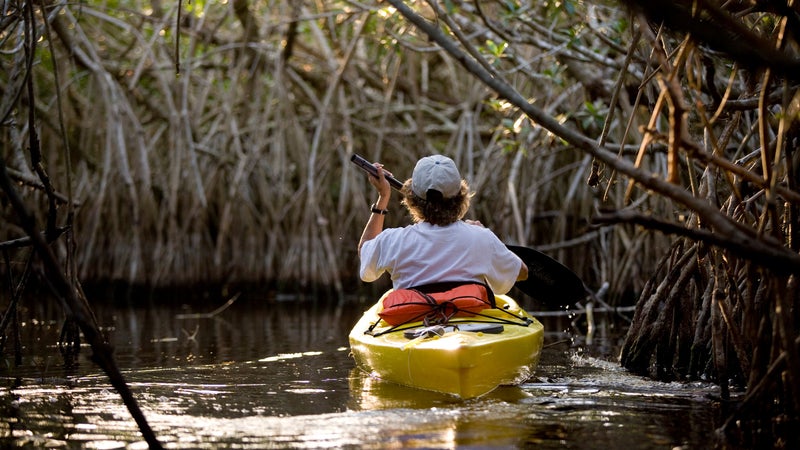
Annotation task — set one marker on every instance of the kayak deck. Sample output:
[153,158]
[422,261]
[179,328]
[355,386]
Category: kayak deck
[467,357]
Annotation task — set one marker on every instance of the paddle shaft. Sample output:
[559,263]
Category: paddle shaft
[372,170]
[548,280]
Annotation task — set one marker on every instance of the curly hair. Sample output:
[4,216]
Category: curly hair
[441,211]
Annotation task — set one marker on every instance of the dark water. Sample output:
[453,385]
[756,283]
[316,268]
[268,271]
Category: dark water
[277,374]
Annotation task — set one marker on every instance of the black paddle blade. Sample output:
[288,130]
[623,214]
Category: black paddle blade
[549,281]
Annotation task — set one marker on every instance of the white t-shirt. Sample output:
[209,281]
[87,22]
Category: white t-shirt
[422,253]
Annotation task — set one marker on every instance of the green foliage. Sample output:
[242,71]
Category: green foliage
[494,50]
[592,116]
[195,7]
[511,5]
[555,73]
[555,7]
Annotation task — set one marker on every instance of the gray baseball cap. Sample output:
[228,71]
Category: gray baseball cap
[436,172]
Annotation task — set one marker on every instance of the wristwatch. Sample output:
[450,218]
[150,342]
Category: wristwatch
[376,210]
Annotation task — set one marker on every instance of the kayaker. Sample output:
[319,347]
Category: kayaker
[439,246]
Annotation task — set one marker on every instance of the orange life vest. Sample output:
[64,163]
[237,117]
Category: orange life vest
[409,305]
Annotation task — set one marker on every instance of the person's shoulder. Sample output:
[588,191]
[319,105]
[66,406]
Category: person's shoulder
[472,228]
[477,232]
[395,232]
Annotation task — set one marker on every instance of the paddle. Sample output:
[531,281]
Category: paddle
[548,281]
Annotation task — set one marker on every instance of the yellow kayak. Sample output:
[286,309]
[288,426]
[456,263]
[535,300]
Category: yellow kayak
[466,357]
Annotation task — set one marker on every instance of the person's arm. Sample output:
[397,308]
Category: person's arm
[375,223]
[523,272]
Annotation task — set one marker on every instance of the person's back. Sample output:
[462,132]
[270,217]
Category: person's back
[439,246]
[423,254]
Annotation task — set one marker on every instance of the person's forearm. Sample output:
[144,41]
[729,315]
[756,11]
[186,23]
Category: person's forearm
[374,224]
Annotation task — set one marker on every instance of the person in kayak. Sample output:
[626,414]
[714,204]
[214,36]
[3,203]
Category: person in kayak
[439,246]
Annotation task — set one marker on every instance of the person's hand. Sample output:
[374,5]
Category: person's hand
[474,222]
[380,182]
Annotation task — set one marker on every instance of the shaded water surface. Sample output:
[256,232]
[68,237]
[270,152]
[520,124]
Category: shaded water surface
[278,375]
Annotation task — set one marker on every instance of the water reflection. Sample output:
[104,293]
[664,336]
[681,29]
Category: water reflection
[279,375]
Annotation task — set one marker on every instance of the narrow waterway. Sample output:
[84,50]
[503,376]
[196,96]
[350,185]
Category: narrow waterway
[277,374]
